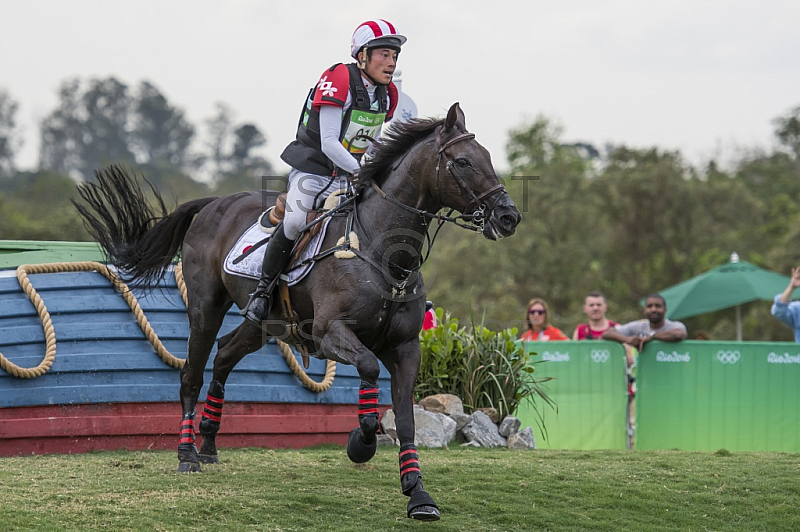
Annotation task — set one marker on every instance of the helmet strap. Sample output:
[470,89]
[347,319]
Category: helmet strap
[362,63]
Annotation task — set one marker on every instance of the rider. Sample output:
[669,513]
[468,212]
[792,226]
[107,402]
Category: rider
[342,115]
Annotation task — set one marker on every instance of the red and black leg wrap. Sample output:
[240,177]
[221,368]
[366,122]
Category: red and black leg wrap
[368,408]
[410,472]
[212,410]
[187,430]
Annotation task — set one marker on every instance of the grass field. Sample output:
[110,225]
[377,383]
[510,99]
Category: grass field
[476,489]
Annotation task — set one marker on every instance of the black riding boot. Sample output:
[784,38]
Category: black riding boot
[279,249]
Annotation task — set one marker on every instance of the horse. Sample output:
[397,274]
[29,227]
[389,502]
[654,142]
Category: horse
[359,311]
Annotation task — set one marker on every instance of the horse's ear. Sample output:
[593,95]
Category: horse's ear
[454,116]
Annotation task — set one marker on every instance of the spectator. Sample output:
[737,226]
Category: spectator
[430,321]
[654,327]
[785,309]
[538,320]
[595,307]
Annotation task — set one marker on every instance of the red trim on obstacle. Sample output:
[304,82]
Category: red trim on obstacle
[70,429]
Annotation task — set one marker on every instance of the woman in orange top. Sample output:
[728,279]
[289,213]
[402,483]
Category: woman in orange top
[538,320]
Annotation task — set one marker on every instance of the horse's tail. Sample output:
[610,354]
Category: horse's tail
[140,242]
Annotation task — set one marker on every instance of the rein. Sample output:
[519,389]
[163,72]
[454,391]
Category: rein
[473,222]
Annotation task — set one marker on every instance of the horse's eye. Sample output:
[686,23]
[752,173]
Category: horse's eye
[462,163]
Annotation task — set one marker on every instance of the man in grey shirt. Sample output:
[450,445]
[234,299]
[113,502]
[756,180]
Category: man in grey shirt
[654,327]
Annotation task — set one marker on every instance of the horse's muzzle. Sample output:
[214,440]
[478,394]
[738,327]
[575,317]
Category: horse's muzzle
[503,220]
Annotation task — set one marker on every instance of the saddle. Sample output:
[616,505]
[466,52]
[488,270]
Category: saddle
[273,216]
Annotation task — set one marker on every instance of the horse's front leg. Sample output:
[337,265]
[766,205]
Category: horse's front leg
[403,365]
[340,343]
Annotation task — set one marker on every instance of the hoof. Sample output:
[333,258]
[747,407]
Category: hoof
[422,507]
[209,458]
[425,513]
[358,451]
[189,467]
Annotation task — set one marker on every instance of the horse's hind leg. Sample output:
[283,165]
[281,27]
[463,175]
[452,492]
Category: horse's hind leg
[205,319]
[232,347]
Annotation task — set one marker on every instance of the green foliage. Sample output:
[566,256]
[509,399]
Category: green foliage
[482,367]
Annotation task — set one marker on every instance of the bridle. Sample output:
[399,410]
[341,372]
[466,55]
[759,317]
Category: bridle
[478,216]
[476,220]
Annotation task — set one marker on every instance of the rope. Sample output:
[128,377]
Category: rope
[141,319]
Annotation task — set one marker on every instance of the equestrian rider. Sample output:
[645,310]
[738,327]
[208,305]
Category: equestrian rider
[341,117]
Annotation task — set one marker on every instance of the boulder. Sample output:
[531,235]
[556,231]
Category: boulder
[388,424]
[481,429]
[384,440]
[443,403]
[493,414]
[433,429]
[509,426]
[522,440]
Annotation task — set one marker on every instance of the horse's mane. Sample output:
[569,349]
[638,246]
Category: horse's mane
[395,143]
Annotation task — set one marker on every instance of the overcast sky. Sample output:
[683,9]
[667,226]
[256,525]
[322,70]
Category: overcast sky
[704,77]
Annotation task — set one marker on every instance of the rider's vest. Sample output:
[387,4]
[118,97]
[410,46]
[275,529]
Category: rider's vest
[360,124]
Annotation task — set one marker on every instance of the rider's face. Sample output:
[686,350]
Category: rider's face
[381,65]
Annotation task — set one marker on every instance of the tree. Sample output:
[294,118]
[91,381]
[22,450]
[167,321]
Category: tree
[9,141]
[788,131]
[160,130]
[89,129]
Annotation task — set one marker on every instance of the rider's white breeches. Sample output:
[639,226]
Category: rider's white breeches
[304,190]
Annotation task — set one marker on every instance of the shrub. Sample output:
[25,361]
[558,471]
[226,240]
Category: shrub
[482,367]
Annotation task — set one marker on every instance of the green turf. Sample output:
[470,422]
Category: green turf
[476,489]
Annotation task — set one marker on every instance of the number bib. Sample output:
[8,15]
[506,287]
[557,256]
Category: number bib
[361,129]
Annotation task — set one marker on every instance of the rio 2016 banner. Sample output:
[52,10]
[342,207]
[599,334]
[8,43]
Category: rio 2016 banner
[589,387]
[706,396]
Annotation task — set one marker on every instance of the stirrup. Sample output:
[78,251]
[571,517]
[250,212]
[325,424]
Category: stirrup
[257,315]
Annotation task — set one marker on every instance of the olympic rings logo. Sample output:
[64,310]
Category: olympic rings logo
[600,355]
[728,357]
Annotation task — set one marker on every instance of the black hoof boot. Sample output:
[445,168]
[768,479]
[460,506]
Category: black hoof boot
[357,450]
[422,507]
[209,458]
[188,459]
[189,467]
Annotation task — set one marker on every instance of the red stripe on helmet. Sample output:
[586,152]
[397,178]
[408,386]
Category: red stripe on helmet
[391,28]
[376,29]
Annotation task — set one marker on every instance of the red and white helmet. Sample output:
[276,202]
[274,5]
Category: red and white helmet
[376,33]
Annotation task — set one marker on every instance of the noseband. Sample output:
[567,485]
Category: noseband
[478,216]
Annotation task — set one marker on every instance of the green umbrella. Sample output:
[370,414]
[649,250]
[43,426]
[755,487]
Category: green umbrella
[729,285]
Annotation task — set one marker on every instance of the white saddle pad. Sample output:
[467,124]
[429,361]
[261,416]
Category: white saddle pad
[250,266]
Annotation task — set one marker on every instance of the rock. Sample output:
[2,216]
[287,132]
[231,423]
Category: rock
[388,424]
[460,419]
[471,444]
[384,440]
[522,440]
[431,431]
[432,404]
[450,427]
[509,426]
[493,414]
[481,429]
[443,403]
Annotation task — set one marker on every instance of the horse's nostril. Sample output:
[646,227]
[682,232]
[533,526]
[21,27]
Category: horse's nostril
[508,221]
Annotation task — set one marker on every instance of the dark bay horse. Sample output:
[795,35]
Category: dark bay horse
[356,311]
